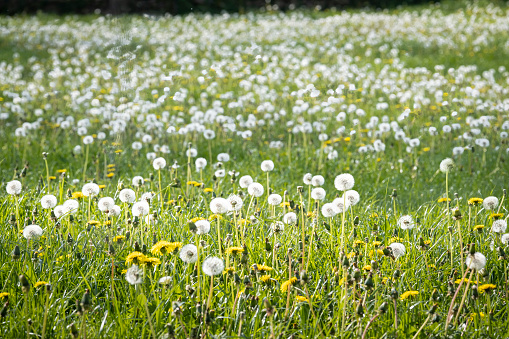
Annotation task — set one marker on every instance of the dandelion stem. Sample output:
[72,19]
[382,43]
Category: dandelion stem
[210,293]
[449,313]
[422,326]
[85,164]
[463,298]
[395,319]
[369,324]
[45,316]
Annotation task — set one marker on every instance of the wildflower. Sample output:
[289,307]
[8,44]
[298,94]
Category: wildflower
[478,228]
[127,195]
[444,200]
[200,163]
[318,193]
[473,315]
[140,209]
[40,283]
[220,206]
[195,219]
[223,157]
[215,216]
[267,165]
[77,195]
[138,181]
[255,189]
[398,249]
[490,203]
[13,187]
[302,299]
[476,261]
[274,199]
[245,181]
[499,226]
[4,295]
[486,288]
[358,243]
[340,204]
[263,268]
[265,279]
[329,210]
[189,254]
[134,275]
[407,294]
[352,197]
[475,201]
[505,239]
[165,247]
[136,258]
[165,280]
[496,216]
[105,204]
[208,190]
[202,226]
[277,227]
[71,206]
[307,179]
[32,232]
[235,202]
[288,283]
[119,238]
[90,189]
[213,266]
[367,268]
[48,201]
[406,222]
[93,222]
[234,250]
[446,165]
[344,182]
[151,262]
[376,243]
[317,180]
[290,218]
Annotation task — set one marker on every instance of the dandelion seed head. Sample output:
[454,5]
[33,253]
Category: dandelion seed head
[90,189]
[235,202]
[398,249]
[138,181]
[476,261]
[114,211]
[189,254]
[223,157]
[406,222]
[446,165]
[318,193]
[13,187]
[200,163]
[245,181]
[202,226]
[344,182]
[499,226]
[134,275]
[307,179]
[48,201]
[277,227]
[140,208]
[127,195]
[213,266]
[159,163]
[329,210]
[290,218]
[32,232]
[341,204]
[490,203]
[267,165]
[220,206]
[71,206]
[352,197]
[255,189]
[105,204]
[317,180]
[274,199]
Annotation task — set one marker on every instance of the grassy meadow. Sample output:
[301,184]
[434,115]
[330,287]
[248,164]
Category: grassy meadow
[335,174]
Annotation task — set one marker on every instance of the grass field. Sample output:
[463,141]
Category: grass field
[300,174]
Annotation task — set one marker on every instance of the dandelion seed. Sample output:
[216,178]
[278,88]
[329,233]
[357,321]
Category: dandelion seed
[134,275]
[344,182]
[189,254]
[213,266]
[48,201]
[32,232]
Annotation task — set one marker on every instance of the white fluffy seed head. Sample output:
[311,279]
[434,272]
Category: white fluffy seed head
[245,181]
[307,179]
[446,165]
[105,204]
[13,187]
[189,254]
[290,218]
[499,226]
[318,193]
[406,222]
[90,189]
[220,206]
[71,206]
[344,182]
[127,195]
[134,275]
[202,226]
[476,261]
[340,204]
[274,199]
[267,165]
[352,197]
[255,189]
[213,266]
[277,227]
[48,201]
[398,249]
[235,202]
[317,180]
[114,211]
[223,157]
[138,181]
[200,163]
[159,163]
[59,211]
[141,208]
[88,140]
[505,239]
[490,203]
[329,210]
[32,232]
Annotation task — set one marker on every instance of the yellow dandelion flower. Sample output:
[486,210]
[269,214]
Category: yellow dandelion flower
[288,283]
[486,288]
[165,247]
[151,262]
[310,214]
[196,219]
[119,238]
[473,315]
[475,201]
[77,195]
[228,270]
[443,200]
[110,166]
[93,222]
[350,255]
[478,227]
[52,177]
[234,250]
[110,175]
[367,268]
[408,294]
[373,215]
[118,151]
[4,295]
[244,221]
[215,216]
[208,190]
[302,299]
[60,171]
[102,186]
[284,204]
[496,216]
[265,279]
[358,243]
[377,243]
[263,268]
[135,258]
[124,271]
[240,293]
[384,280]
[395,239]
[40,283]
[192,183]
